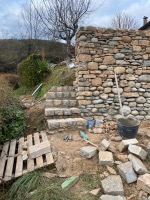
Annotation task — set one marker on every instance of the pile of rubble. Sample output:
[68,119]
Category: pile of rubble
[128,157]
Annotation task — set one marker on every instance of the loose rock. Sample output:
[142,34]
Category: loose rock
[110,197]
[112,185]
[143,182]
[88,151]
[138,166]
[127,172]
[123,145]
[138,151]
[106,158]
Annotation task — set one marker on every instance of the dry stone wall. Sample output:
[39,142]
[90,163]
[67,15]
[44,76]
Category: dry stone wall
[99,54]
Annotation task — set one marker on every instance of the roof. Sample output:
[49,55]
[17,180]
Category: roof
[145,26]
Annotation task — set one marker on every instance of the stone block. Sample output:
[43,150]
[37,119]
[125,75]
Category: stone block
[106,158]
[105,144]
[123,145]
[127,172]
[112,185]
[88,151]
[109,60]
[97,82]
[138,151]
[39,149]
[110,197]
[148,150]
[84,58]
[119,70]
[130,95]
[143,182]
[93,65]
[137,164]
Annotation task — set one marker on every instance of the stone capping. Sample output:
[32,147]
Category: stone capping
[101,52]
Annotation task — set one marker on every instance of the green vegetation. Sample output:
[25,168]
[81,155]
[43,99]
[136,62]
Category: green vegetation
[33,70]
[13,123]
[33,186]
[13,51]
[91,181]
[59,76]
[12,118]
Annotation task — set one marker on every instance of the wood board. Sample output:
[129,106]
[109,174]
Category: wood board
[14,160]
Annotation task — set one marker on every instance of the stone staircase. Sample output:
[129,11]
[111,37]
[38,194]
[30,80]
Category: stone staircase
[61,109]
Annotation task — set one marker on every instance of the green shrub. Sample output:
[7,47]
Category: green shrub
[33,70]
[12,124]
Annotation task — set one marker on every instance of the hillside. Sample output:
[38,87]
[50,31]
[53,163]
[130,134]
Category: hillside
[13,51]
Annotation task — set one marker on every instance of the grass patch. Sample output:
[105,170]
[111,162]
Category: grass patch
[91,181]
[33,186]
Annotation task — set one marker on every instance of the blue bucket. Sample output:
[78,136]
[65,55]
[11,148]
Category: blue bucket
[90,124]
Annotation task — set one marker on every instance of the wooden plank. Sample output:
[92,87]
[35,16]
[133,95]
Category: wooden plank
[19,163]
[39,160]
[3,159]
[10,161]
[49,156]
[30,161]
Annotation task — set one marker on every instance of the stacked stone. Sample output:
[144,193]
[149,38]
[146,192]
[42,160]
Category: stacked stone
[103,52]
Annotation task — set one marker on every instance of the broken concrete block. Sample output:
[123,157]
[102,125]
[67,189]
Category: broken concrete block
[122,158]
[88,151]
[105,144]
[95,192]
[148,150]
[138,151]
[127,172]
[112,185]
[110,197]
[111,170]
[39,149]
[106,158]
[143,182]
[138,166]
[69,183]
[112,148]
[123,145]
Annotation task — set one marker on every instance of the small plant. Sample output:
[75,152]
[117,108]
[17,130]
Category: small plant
[12,123]
[33,70]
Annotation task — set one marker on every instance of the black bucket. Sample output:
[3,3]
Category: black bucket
[128,127]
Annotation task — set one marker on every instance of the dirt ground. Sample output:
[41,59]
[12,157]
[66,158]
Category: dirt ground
[67,153]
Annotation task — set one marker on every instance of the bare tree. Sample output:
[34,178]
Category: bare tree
[62,17]
[31,25]
[123,20]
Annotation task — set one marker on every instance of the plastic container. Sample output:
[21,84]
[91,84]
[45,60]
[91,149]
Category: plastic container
[90,124]
[128,127]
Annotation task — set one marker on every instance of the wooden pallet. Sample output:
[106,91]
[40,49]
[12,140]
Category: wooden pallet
[12,164]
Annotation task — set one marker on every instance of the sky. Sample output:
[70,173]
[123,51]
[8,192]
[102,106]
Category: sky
[10,14]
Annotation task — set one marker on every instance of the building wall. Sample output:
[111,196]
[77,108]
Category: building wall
[99,54]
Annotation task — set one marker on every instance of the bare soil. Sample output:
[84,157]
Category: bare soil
[67,153]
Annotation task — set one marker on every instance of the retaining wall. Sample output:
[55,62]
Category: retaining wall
[101,52]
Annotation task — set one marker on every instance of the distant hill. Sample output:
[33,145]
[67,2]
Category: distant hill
[13,51]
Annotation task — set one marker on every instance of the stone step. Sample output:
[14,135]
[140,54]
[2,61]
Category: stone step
[61,111]
[60,95]
[62,89]
[60,103]
[66,123]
